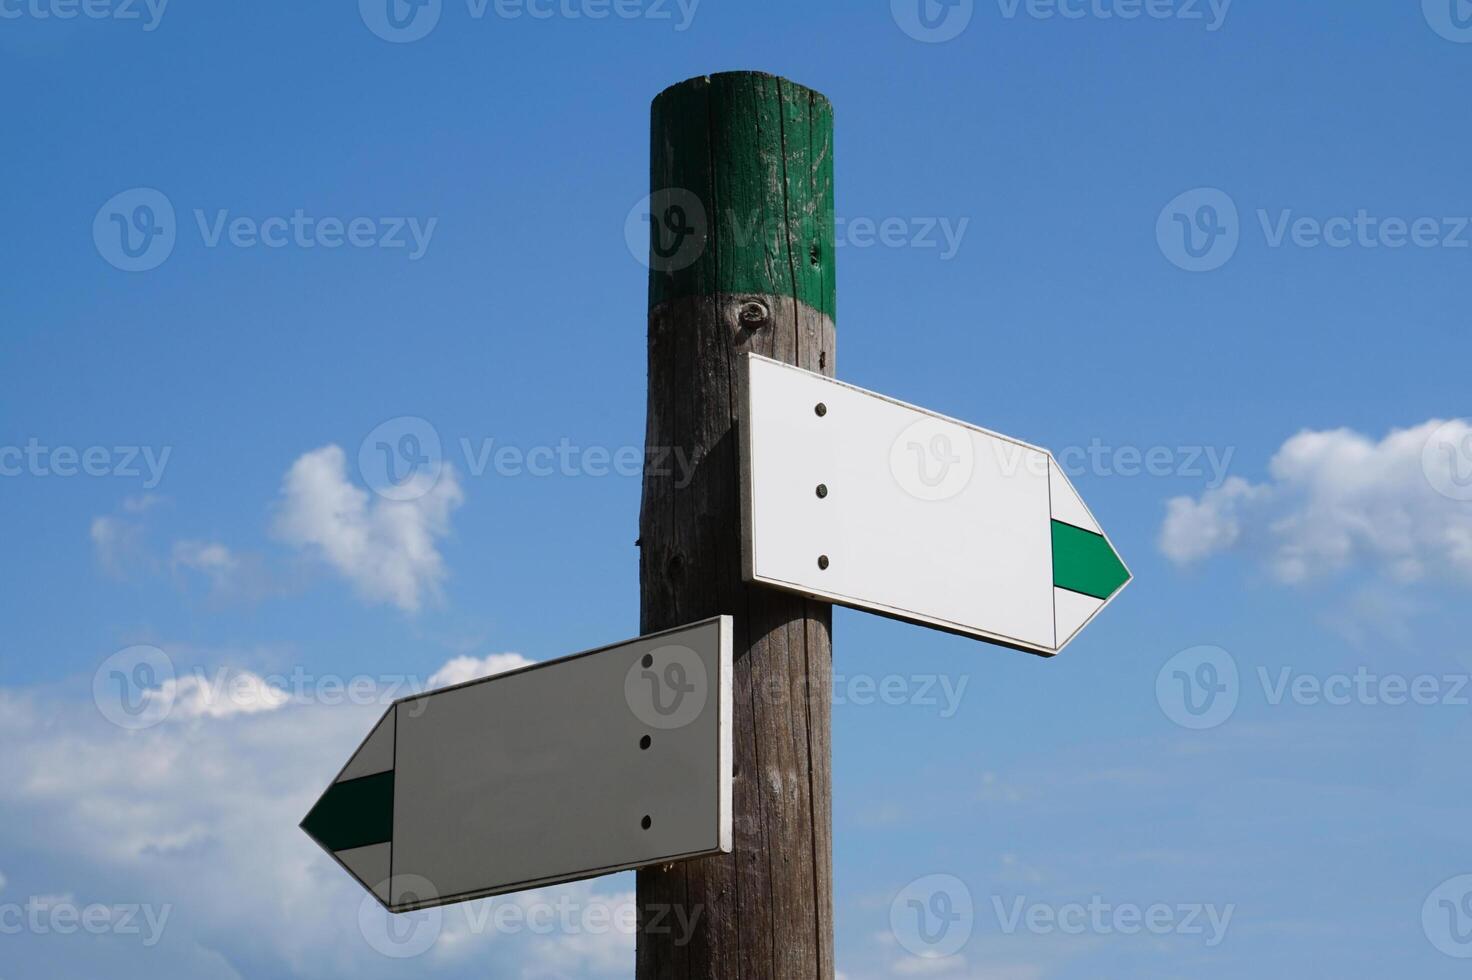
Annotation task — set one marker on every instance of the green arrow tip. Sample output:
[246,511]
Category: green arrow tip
[354,813]
[1085,562]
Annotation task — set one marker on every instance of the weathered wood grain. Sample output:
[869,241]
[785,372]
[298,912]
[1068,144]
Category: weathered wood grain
[757,152]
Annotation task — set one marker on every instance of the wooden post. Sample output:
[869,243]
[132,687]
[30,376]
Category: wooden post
[742,259]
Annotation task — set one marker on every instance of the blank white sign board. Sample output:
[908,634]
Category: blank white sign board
[599,762]
[861,500]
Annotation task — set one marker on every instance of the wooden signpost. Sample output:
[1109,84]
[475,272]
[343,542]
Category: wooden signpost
[756,154]
[804,491]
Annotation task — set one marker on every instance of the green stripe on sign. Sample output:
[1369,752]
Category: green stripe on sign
[354,813]
[1083,562]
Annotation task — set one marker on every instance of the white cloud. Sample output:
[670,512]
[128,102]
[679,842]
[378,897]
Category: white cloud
[223,696]
[463,669]
[207,557]
[918,966]
[118,547]
[203,818]
[386,548]
[214,560]
[239,576]
[1337,501]
[1196,529]
[119,540]
[141,503]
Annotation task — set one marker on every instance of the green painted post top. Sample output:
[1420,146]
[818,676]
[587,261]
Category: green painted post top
[741,190]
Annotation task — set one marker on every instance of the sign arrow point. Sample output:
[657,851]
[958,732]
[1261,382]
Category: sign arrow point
[602,761]
[353,820]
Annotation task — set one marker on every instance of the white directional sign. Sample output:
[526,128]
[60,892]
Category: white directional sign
[861,500]
[598,762]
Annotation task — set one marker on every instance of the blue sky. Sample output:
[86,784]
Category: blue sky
[1298,365]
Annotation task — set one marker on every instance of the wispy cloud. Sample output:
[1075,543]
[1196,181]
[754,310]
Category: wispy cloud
[203,816]
[387,549]
[463,669]
[1337,501]
[119,548]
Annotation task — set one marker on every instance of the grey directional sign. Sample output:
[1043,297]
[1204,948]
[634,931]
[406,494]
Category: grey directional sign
[602,761]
